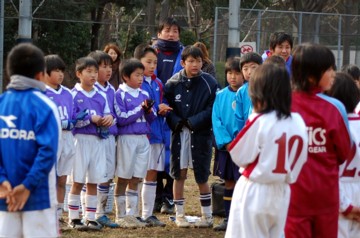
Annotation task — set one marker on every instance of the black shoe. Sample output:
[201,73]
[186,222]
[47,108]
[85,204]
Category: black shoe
[167,207]
[222,226]
[157,206]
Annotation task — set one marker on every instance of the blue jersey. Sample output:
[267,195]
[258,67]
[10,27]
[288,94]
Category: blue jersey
[243,106]
[94,102]
[223,117]
[29,137]
[109,91]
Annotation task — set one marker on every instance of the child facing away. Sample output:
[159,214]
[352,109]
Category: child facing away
[89,167]
[223,120]
[314,203]
[135,112]
[104,74]
[153,85]
[280,44]
[63,99]
[344,89]
[354,71]
[191,94]
[30,133]
[248,63]
[270,150]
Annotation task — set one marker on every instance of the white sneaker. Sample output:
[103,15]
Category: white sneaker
[129,222]
[182,222]
[204,222]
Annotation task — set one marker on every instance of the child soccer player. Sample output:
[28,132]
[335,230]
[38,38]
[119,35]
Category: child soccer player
[89,166]
[134,113]
[354,71]
[62,97]
[30,131]
[105,69]
[344,89]
[314,203]
[223,120]
[248,63]
[151,84]
[270,150]
[281,44]
[191,94]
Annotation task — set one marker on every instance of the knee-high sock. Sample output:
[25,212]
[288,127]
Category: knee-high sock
[205,201]
[90,204]
[227,201]
[73,205]
[102,197]
[148,194]
[131,202]
[120,205]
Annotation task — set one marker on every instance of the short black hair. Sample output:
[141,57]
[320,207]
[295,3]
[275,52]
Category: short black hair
[277,38]
[352,69]
[275,59]
[141,50]
[269,86]
[250,57]
[100,57]
[168,22]
[310,60]
[193,51]
[54,62]
[84,62]
[232,63]
[345,90]
[25,59]
[128,66]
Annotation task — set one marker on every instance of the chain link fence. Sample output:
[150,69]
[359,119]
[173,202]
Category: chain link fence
[339,32]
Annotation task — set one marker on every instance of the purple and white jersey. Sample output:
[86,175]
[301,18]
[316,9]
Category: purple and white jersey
[110,96]
[63,100]
[131,118]
[94,102]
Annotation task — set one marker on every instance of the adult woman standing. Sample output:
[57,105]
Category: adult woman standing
[208,66]
[114,51]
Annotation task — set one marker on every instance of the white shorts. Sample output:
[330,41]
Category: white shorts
[90,160]
[185,151]
[41,223]
[110,151]
[157,157]
[66,156]
[132,156]
[258,210]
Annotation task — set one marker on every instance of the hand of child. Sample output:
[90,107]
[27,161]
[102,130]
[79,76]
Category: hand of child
[19,196]
[163,109]
[147,105]
[354,214]
[106,121]
[5,189]
[95,119]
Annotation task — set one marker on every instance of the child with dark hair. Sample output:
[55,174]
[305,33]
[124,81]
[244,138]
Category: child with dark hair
[280,44]
[270,150]
[153,85]
[135,113]
[223,120]
[344,89]
[30,132]
[248,63]
[63,99]
[116,56]
[314,203]
[89,167]
[191,94]
[275,59]
[103,85]
[354,71]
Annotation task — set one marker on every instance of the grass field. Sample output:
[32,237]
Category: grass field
[192,207]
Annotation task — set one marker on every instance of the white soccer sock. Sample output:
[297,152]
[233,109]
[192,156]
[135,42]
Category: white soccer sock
[131,202]
[73,205]
[82,199]
[179,207]
[102,197]
[90,204]
[205,201]
[148,195]
[59,210]
[120,205]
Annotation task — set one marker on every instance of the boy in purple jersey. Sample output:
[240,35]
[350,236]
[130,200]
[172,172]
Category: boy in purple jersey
[105,70]
[89,166]
[62,97]
[153,85]
[135,112]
